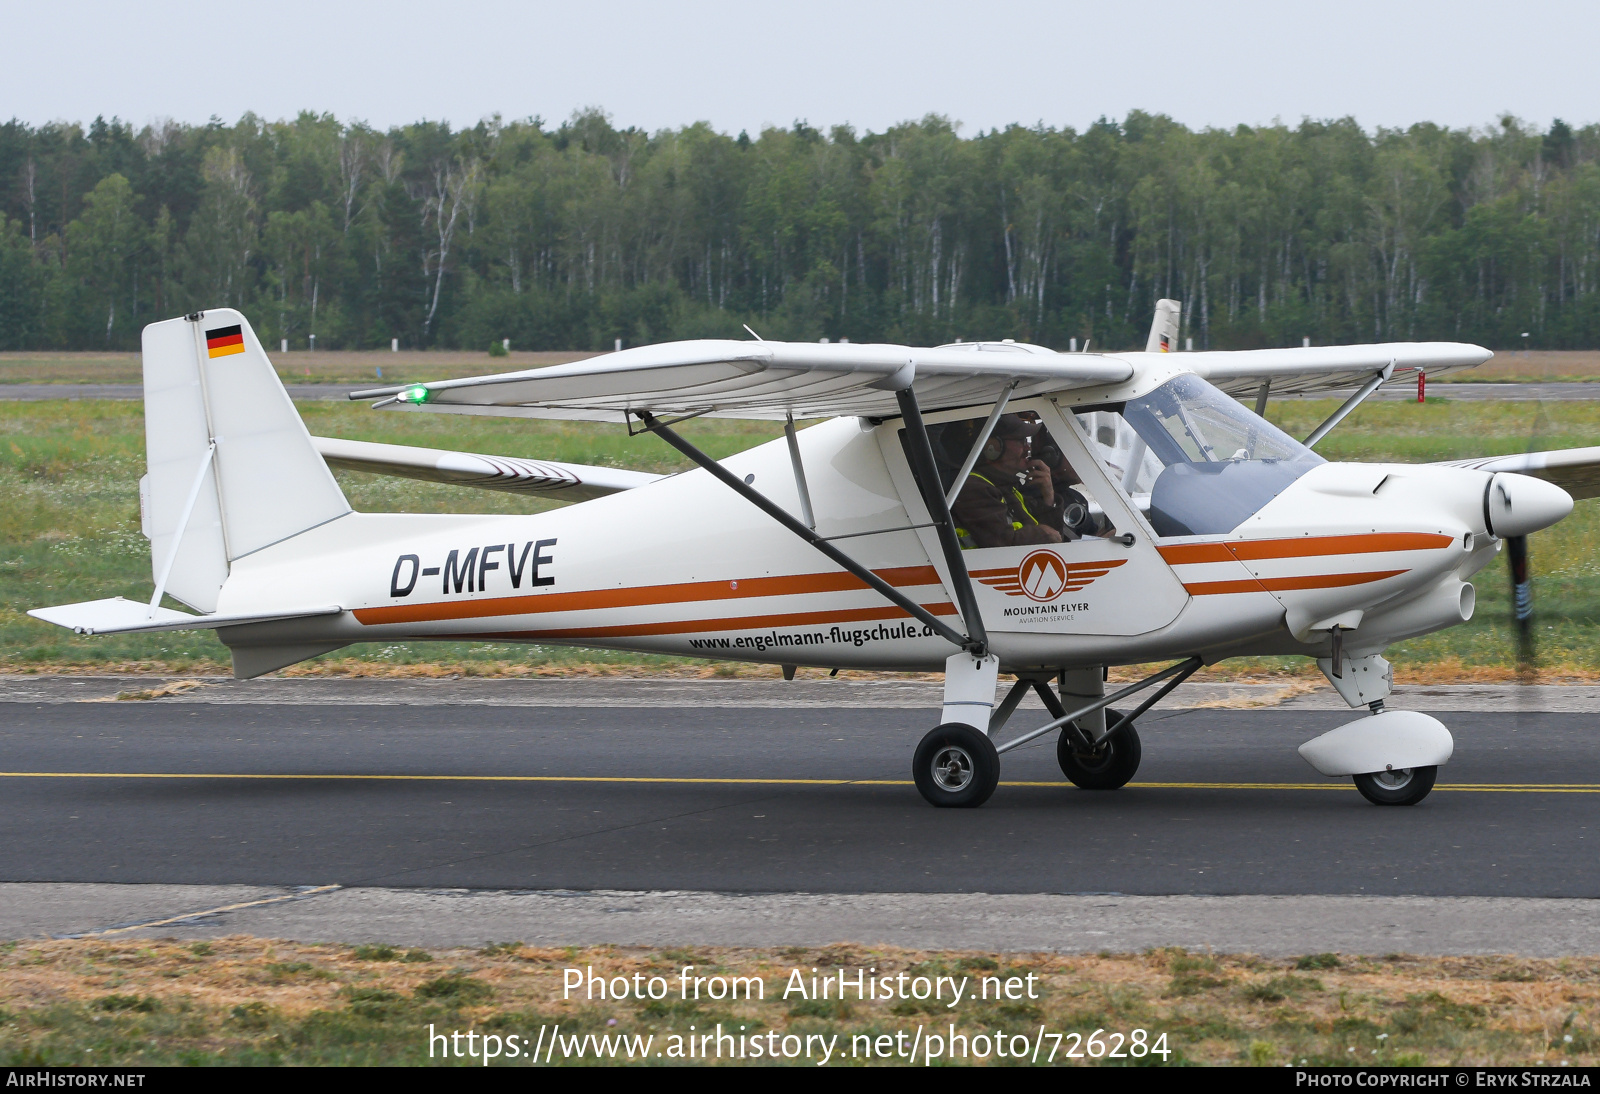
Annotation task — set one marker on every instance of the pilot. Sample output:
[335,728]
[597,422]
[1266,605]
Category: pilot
[1077,519]
[991,510]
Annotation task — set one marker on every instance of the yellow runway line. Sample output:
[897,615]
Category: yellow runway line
[443,778]
[1331,784]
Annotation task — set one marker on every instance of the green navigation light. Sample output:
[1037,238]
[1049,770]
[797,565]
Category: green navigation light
[418,394]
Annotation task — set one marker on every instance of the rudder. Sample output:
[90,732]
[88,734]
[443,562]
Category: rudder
[1164,328]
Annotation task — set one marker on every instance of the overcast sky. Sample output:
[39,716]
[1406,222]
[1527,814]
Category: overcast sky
[748,65]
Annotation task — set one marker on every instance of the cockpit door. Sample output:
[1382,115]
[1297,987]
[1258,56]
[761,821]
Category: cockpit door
[1088,584]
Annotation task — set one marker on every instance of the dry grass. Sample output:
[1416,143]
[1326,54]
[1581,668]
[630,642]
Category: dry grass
[1271,699]
[166,691]
[248,1000]
[1533,366]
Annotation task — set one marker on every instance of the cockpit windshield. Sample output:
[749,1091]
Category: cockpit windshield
[1194,459]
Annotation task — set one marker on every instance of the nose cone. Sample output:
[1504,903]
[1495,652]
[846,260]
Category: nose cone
[1518,504]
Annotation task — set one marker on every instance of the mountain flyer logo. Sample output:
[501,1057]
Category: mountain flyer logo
[1044,575]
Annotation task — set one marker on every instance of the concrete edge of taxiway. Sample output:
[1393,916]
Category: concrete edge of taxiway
[1277,926]
[623,692]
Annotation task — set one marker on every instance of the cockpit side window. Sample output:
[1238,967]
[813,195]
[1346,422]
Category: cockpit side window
[1022,489]
[1196,461]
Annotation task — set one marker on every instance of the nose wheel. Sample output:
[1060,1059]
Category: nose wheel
[1106,766]
[1402,786]
[956,767]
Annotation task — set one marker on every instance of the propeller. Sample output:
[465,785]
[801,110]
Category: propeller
[1522,576]
[1522,607]
[1514,506]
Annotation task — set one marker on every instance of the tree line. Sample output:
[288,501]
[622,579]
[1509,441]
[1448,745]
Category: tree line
[571,236]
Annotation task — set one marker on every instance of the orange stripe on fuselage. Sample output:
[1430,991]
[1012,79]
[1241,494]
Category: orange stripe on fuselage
[688,593]
[732,623]
[1298,547]
[1214,588]
[1288,584]
[1255,550]
[1308,546]
[1324,581]
[1189,554]
[1185,554]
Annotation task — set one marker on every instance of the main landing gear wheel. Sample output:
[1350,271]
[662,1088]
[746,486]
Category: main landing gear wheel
[956,767]
[1107,767]
[1402,786]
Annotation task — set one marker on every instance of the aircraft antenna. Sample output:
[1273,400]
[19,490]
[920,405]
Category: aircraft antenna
[753,334]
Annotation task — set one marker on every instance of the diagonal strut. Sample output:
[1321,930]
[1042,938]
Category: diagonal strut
[760,501]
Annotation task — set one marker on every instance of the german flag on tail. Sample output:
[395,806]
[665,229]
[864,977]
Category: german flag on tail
[225,340]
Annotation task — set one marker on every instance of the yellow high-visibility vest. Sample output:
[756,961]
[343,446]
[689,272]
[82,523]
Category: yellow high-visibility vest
[965,537]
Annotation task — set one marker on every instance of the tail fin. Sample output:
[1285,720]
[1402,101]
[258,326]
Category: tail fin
[225,449]
[1164,330]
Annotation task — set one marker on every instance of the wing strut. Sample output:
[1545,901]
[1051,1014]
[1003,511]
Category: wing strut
[926,473]
[799,472]
[754,497]
[977,444]
[1349,404]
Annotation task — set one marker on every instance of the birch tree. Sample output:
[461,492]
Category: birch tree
[452,189]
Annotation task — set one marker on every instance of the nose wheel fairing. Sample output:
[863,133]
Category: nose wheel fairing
[1391,740]
[1393,755]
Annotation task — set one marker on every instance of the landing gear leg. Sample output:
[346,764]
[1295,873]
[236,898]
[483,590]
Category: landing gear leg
[956,765]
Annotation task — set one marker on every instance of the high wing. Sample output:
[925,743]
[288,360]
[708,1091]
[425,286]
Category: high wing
[1575,470]
[1311,369]
[767,380]
[539,478]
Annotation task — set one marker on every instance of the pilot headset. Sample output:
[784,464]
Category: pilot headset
[995,447]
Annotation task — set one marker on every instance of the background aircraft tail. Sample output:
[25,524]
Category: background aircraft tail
[231,468]
[1164,331]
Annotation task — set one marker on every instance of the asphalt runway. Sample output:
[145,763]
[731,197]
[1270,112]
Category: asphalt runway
[569,798]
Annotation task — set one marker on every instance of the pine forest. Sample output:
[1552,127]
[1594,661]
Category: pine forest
[575,235]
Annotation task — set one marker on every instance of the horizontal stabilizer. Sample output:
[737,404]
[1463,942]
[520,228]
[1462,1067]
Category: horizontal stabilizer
[540,478]
[763,380]
[1575,470]
[121,616]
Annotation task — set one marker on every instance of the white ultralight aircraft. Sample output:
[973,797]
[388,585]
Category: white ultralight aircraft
[1177,524]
